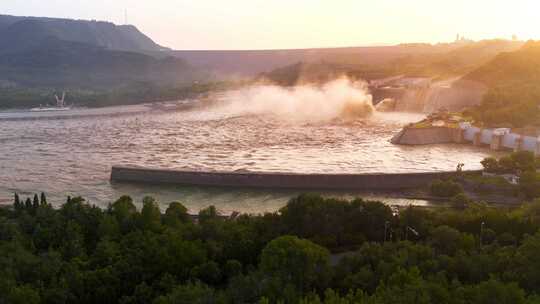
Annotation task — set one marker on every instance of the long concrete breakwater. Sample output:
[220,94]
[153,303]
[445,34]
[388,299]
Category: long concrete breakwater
[360,182]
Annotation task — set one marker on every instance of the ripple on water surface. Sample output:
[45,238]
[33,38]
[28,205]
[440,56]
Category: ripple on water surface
[74,154]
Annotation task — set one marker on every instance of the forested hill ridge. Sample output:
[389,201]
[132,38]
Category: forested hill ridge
[58,63]
[437,62]
[511,68]
[253,62]
[513,79]
[23,33]
[97,63]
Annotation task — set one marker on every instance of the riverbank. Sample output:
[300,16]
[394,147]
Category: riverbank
[134,94]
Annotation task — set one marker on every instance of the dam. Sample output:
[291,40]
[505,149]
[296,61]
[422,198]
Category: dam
[496,139]
[422,95]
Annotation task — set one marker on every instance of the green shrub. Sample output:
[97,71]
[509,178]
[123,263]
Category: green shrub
[461,201]
[446,188]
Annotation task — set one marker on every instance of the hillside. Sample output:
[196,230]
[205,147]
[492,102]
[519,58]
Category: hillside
[513,79]
[95,61]
[521,66]
[436,62]
[56,63]
[23,33]
[252,63]
[456,62]
[62,53]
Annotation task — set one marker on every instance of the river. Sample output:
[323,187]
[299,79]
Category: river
[71,152]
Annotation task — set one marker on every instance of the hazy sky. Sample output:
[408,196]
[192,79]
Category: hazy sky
[270,24]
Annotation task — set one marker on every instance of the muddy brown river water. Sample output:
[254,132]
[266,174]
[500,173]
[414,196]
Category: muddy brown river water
[71,153]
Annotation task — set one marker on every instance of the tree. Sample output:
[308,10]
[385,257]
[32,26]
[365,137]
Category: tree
[445,188]
[495,292]
[208,272]
[73,245]
[461,201]
[143,294]
[524,161]
[192,293]
[108,227]
[297,261]
[527,263]
[23,295]
[150,215]
[490,165]
[123,208]
[28,204]
[529,184]
[445,239]
[17,204]
[404,287]
[35,203]
[233,268]
[507,165]
[208,214]
[175,214]
[125,212]
[43,200]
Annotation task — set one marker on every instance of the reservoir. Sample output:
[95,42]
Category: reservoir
[71,153]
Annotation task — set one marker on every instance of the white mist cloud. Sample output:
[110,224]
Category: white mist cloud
[337,99]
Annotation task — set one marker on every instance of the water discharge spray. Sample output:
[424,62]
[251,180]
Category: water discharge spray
[340,99]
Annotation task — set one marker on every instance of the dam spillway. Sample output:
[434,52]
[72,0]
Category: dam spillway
[365,182]
[496,139]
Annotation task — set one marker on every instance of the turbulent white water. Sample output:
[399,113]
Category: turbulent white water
[73,154]
[338,99]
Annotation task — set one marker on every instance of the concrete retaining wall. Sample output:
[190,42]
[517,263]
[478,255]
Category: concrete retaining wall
[424,136]
[475,135]
[278,180]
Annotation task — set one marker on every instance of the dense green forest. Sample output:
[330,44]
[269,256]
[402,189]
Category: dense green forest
[314,250]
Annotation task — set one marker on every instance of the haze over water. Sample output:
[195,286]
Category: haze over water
[72,153]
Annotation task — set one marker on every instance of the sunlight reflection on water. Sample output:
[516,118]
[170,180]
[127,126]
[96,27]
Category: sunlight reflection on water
[74,154]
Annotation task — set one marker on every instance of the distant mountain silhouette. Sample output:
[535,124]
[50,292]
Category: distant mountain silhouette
[47,52]
[57,63]
[434,61]
[254,62]
[22,33]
